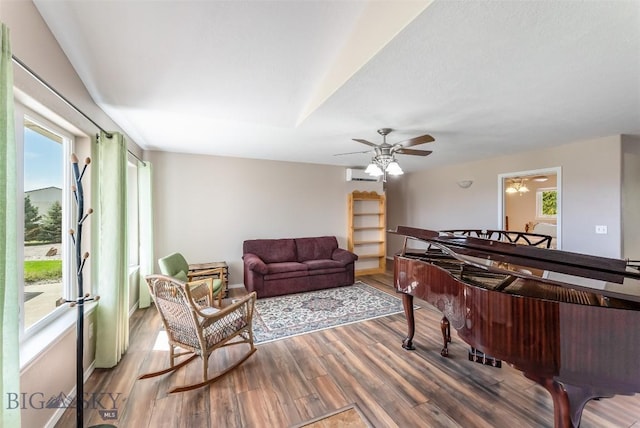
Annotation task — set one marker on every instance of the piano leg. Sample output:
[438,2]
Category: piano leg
[407,302]
[568,401]
[446,336]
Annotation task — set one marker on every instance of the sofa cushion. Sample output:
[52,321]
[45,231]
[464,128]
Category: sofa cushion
[287,275]
[322,272]
[272,250]
[181,275]
[315,248]
[286,267]
[323,264]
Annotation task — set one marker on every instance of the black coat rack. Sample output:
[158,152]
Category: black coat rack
[81,259]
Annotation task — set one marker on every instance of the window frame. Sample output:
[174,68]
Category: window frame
[23,114]
[539,214]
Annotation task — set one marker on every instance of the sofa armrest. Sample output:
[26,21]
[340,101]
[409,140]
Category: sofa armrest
[343,256]
[255,263]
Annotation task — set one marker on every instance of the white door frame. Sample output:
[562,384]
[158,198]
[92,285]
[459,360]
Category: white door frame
[501,203]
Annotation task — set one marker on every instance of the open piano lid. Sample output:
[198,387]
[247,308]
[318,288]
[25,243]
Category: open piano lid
[562,268]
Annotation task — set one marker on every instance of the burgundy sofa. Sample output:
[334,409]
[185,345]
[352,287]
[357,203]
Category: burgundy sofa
[273,267]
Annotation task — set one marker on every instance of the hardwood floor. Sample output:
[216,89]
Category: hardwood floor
[294,380]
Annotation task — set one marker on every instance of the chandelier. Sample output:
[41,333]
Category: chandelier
[383,164]
[517,185]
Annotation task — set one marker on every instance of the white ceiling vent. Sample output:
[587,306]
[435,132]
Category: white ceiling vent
[359,175]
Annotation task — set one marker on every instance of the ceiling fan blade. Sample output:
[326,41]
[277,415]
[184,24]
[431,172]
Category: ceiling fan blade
[368,143]
[414,152]
[353,153]
[417,140]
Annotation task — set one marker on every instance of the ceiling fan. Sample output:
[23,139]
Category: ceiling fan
[383,161]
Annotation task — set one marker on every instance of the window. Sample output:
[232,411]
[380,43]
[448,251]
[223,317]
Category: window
[132,213]
[546,203]
[46,179]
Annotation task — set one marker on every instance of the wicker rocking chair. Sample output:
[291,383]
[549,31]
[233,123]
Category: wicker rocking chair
[198,328]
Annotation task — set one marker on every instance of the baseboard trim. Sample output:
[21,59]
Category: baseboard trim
[241,285]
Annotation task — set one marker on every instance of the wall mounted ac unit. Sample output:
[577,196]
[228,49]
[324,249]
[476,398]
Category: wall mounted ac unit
[359,175]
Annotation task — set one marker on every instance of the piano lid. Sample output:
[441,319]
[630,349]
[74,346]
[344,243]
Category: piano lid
[563,268]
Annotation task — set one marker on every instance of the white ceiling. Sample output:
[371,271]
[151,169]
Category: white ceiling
[297,80]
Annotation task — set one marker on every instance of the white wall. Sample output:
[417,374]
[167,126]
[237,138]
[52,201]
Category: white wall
[206,206]
[591,194]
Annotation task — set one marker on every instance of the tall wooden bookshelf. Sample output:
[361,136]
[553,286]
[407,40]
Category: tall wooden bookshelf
[367,236]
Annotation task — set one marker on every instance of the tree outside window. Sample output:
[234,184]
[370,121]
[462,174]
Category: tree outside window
[547,203]
[52,225]
[31,221]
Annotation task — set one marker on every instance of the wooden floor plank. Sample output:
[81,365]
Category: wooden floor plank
[293,380]
[330,393]
[224,404]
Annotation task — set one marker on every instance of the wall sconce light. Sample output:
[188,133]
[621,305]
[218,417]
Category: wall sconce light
[465,184]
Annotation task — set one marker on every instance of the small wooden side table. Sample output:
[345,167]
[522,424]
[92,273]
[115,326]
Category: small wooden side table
[215,265]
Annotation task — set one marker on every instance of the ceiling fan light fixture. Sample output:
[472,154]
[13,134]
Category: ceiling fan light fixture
[394,169]
[517,186]
[370,168]
[540,178]
[373,170]
[384,162]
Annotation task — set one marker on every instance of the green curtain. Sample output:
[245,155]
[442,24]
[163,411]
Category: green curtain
[109,202]
[145,229]
[9,289]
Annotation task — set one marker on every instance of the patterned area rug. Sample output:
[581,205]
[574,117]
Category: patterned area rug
[290,315]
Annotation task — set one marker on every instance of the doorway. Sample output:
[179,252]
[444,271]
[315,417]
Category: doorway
[531,201]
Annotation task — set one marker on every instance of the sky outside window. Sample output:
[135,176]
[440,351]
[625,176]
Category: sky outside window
[41,165]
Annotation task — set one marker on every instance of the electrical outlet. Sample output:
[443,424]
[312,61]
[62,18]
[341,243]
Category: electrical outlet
[602,230]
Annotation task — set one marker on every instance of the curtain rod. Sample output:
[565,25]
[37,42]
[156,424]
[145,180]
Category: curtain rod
[44,83]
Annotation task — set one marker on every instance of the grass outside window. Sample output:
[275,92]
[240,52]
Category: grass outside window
[42,270]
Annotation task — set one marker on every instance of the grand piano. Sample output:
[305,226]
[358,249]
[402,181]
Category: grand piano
[568,321]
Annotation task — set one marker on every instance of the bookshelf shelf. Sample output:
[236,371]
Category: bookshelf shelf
[367,231]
